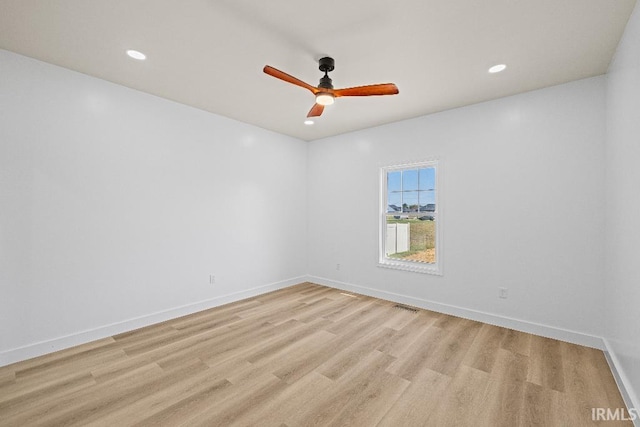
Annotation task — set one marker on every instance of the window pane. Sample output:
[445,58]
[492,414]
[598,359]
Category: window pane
[393,181]
[427,201]
[394,202]
[423,232]
[410,180]
[410,202]
[427,179]
[412,239]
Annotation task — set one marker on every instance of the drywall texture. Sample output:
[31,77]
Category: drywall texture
[522,183]
[622,285]
[116,204]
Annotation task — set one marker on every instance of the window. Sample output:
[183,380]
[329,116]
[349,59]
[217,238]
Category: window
[409,218]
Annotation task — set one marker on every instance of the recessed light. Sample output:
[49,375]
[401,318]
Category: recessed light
[136,55]
[308,122]
[497,68]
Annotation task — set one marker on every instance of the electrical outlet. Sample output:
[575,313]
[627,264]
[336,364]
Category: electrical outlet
[212,279]
[503,293]
[337,266]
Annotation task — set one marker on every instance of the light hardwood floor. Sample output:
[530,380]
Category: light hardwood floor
[312,355]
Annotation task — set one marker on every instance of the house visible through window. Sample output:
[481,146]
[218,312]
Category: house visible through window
[409,218]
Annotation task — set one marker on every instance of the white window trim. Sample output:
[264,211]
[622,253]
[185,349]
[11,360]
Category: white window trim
[383,261]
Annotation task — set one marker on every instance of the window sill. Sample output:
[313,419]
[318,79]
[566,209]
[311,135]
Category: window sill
[415,267]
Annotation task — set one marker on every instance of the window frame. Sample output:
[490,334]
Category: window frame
[399,264]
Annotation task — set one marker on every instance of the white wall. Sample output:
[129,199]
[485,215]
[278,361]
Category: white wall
[116,205]
[522,206]
[622,284]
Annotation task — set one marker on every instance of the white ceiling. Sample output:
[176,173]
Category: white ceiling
[210,53]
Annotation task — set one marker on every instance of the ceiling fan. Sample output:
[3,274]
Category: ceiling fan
[325,93]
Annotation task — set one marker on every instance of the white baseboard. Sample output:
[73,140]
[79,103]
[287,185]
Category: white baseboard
[624,385]
[43,347]
[492,319]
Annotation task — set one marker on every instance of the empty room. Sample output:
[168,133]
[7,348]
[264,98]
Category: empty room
[294,213]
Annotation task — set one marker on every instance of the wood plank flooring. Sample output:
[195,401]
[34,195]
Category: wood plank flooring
[311,355]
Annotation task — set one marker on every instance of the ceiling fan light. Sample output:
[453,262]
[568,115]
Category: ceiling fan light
[324,99]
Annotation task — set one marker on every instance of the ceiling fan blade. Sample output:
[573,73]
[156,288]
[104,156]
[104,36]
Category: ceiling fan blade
[316,110]
[288,78]
[370,90]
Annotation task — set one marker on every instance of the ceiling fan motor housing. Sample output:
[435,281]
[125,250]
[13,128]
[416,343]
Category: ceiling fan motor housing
[325,83]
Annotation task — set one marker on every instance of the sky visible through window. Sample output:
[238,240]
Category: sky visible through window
[411,190]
